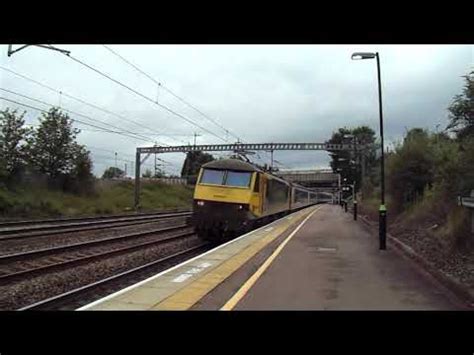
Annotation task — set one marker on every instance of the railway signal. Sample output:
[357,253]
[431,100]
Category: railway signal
[347,188]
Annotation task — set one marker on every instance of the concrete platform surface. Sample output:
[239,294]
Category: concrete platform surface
[182,286]
[333,263]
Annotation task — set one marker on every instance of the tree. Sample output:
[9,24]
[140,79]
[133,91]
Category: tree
[12,150]
[113,173]
[81,178]
[52,147]
[82,170]
[347,163]
[366,136]
[193,163]
[461,111]
[410,170]
[340,159]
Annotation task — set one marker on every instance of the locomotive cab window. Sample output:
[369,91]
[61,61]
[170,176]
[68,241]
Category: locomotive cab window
[238,179]
[213,177]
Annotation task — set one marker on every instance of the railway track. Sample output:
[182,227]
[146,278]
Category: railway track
[80,296]
[91,267]
[13,223]
[31,263]
[50,227]
[49,267]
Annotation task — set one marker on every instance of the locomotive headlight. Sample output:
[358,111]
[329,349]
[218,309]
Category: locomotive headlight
[240,207]
[200,203]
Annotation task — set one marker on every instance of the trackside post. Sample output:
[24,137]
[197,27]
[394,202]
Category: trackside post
[137,180]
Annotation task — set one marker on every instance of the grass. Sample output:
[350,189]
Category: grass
[34,202]
[370,205]
[455,232]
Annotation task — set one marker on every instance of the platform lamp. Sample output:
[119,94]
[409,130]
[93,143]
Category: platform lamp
[382,209]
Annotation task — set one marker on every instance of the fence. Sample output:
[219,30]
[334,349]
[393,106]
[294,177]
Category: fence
[168,181]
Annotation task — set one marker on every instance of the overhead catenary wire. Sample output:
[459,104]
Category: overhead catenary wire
[101,130]
[121,130]
[92,148]
[73,119]
[144,96]
[160,84]
[98,157]
[137,93]
[61,93]
[127,87]
[126,154]
[110,151]
[95,130]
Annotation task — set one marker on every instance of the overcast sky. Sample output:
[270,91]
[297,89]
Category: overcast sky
[260,93]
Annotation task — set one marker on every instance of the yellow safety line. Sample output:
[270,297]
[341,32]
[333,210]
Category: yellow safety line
[186,297]
[251,281]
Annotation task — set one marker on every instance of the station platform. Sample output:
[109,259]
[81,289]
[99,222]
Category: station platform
[314,259]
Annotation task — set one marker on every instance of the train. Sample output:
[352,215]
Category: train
[232,197]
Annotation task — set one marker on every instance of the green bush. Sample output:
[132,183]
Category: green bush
[36,202]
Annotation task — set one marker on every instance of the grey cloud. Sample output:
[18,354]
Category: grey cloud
[261,93]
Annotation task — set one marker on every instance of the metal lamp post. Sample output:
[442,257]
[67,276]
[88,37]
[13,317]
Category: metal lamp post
[382,209]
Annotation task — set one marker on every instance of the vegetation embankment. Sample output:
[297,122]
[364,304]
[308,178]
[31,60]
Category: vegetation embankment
[27,202]
[425,173]
[45,172]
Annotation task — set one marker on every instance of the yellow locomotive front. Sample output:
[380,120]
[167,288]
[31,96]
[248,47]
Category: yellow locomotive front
[226,199]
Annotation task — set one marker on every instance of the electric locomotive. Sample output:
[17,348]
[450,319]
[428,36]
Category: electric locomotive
[232,196]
